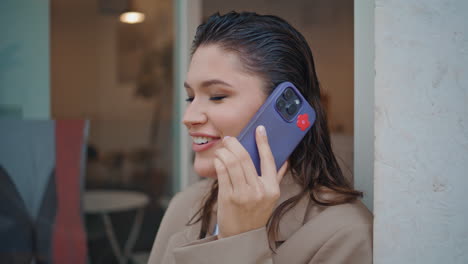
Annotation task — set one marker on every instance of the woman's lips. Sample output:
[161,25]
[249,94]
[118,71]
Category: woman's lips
[203,147]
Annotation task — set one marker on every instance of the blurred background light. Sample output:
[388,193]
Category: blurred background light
[132,17]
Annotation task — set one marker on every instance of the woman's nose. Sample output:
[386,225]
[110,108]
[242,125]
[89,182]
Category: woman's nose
[194,115]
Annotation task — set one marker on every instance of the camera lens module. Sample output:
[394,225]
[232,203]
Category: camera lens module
[280,104]
[291,109]
[288,94]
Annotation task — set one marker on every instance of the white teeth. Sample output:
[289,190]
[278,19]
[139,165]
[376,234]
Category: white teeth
[201,140]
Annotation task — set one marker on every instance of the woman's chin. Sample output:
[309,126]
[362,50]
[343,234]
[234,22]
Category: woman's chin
[204,170]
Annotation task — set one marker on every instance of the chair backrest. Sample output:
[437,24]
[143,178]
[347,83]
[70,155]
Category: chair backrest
[41,179]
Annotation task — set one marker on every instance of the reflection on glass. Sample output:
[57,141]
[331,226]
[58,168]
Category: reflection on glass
[118,76]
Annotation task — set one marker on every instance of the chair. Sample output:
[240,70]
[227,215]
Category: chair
[41,165]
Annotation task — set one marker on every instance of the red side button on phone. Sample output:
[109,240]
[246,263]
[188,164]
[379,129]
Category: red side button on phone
[303,122]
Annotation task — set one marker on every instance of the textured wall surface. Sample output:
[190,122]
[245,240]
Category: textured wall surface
[421,131]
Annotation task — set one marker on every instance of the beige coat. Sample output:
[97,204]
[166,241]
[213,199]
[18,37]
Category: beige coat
[308,233]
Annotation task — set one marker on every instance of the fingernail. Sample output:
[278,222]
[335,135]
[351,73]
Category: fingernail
[226,137]
[261,130]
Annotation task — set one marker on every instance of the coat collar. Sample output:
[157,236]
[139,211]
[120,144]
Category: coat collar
[290,222]
[293,219]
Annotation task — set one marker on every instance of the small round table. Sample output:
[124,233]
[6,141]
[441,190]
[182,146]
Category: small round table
[103,202]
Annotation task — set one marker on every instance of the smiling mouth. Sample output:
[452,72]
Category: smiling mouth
[202,140]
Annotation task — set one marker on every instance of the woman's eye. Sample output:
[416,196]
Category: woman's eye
[213,98]
[217,98]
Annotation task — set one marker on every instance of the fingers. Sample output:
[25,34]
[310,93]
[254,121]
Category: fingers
[267,161]
[282,171]
[250,173]
[233,167]
[223,176]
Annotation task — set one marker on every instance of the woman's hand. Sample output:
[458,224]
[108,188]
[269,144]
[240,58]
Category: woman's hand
[245,200]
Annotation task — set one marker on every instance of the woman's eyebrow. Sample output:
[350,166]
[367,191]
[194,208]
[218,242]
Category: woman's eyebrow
[206,84]
[187,86]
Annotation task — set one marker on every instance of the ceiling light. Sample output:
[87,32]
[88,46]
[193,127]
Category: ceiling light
[132,17]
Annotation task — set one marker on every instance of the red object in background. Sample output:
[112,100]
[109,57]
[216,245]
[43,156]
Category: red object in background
[303,122]
[69,239]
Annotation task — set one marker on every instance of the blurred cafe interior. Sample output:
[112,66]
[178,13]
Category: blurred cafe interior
[119,65]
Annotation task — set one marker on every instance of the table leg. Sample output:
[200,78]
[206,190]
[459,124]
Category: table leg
[112,239]
[132,237]
[134,232]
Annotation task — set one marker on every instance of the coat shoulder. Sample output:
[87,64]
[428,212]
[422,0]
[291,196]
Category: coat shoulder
[338,228]
[355,212]
[344,215]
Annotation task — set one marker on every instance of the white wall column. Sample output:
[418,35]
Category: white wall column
[421,131]
[187,18]
[364,74]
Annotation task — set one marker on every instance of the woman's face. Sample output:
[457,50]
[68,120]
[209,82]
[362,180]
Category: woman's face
[223,97]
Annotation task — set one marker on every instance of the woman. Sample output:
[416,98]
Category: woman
[306,212]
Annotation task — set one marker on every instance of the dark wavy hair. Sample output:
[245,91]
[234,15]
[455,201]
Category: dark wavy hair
[272,49]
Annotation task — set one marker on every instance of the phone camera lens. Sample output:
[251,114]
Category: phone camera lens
[288,94]
[280,104]
[291,109]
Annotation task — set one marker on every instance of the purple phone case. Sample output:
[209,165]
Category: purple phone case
[283,136]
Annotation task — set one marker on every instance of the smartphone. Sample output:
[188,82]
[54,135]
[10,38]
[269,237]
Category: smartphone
[286,116]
